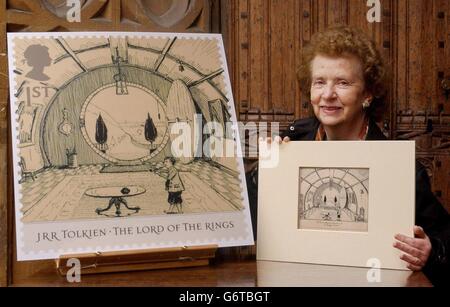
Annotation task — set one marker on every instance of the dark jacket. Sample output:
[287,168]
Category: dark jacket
[430,214]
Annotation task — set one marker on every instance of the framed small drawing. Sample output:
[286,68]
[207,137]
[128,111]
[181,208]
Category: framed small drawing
[342,208]
[333,198]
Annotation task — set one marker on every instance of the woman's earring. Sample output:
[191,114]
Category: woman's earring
[366,104]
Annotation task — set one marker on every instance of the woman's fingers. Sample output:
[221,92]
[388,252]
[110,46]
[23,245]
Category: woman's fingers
[407,248]
[419,232]
[414,268]
[413,261]
[416,250]
[277,139]
[406,239]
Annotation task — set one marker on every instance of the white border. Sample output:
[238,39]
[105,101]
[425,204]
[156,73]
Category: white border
[391,204]
[243,216]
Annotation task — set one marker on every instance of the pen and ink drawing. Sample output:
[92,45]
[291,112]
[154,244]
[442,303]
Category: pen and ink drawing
[95,117]
[333,199]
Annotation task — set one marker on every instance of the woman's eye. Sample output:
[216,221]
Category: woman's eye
[318,82]
[343,83]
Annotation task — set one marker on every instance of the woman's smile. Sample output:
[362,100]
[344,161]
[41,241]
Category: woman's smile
[330,110]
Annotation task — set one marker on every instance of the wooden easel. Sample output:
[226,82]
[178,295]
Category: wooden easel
[139,260]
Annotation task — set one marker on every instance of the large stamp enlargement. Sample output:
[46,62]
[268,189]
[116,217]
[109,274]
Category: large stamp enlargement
[97,120]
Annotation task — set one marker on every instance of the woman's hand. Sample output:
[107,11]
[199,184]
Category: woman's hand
[416,250]
[278,140]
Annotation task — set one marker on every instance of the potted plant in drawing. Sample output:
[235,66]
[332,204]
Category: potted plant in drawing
[101,134]
[72,160]
[150,132]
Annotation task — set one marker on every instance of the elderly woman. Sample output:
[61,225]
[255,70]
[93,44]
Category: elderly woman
[346,79]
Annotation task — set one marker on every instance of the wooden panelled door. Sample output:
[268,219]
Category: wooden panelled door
[264,40]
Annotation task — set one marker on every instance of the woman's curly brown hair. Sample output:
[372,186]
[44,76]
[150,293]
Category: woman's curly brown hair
[342,40]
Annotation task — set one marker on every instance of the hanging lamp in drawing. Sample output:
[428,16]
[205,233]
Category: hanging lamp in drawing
[120,78]
[65,127]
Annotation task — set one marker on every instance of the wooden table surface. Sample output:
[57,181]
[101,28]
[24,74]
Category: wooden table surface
[248,273]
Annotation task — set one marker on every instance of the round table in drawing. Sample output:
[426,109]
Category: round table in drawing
[116,197]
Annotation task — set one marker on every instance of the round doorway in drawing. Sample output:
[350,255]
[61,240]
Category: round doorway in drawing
[125,129]
[333,199]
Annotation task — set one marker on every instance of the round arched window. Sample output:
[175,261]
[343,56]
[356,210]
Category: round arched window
[125,129]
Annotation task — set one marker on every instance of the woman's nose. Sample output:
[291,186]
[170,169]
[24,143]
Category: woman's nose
[328,91]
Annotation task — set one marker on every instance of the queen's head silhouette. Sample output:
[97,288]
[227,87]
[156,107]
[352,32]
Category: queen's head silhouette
[38,58]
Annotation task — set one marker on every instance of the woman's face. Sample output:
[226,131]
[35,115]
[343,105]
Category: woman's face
[337,90]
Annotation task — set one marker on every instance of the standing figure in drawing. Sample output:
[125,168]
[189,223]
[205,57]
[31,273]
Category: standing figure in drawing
[174,186]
